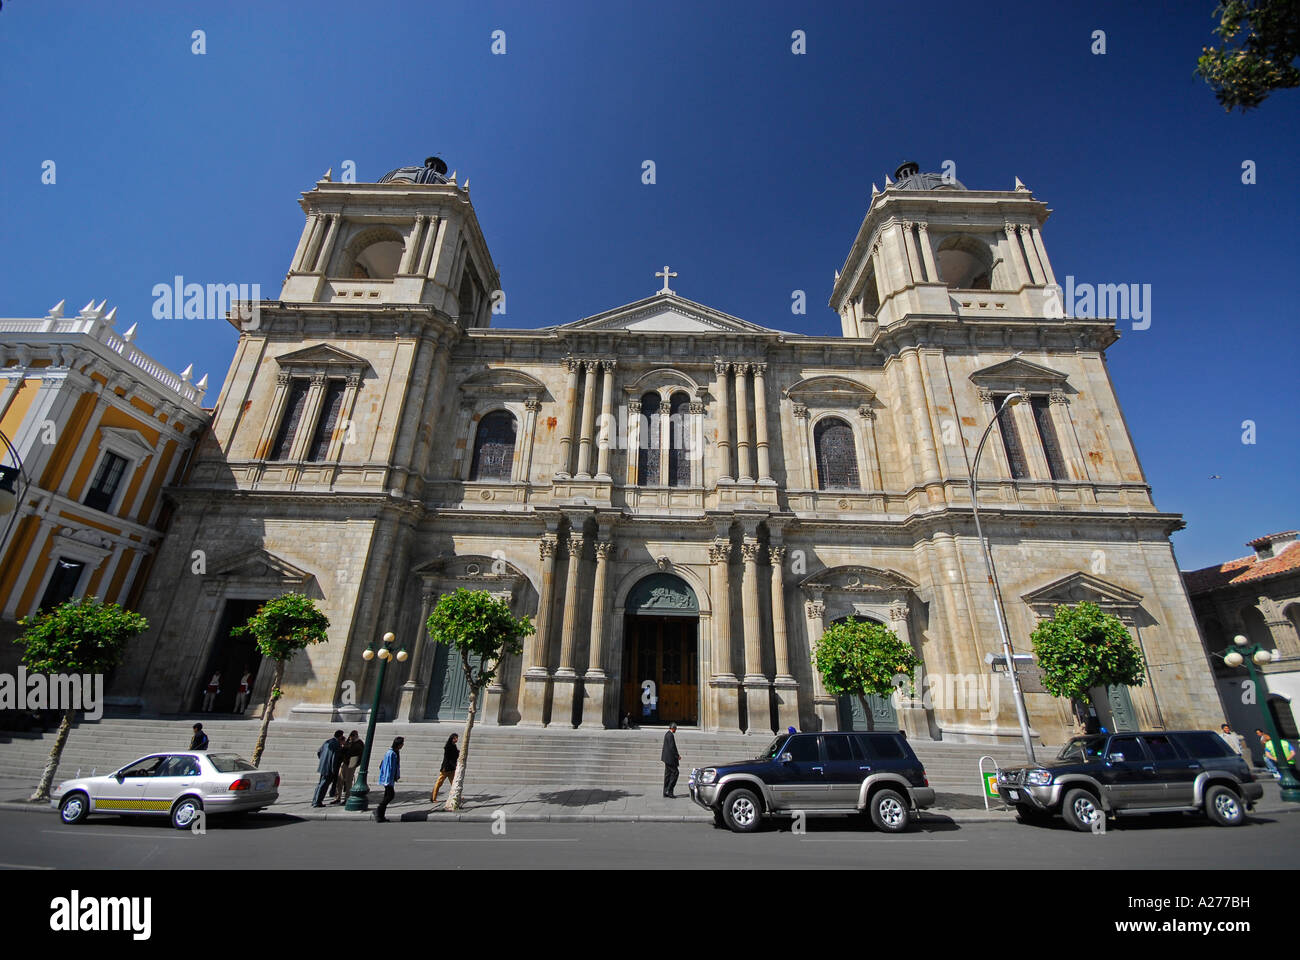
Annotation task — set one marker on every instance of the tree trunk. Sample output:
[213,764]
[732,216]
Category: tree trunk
[866,710]
[266,714]
[458,782]
[52,762]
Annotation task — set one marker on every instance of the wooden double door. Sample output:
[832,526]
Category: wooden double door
[661,670]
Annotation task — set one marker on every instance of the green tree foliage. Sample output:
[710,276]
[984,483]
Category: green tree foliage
[281,627]
[1261,40]
[1082,647]
[483,631]
[83,635]
[861,658]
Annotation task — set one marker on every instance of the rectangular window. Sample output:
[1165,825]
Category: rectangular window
[107,479]
[329,418]
[1011,440]
[293,408]
[1042,408]
[63,582]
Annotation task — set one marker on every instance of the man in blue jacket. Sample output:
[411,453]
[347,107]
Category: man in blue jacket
[390,771]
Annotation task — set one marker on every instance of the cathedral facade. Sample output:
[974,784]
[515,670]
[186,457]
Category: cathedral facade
[680,499]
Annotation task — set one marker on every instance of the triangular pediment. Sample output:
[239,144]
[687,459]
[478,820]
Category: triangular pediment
[263,566]
[854,578]
[1078,587]
[1017,370]
[666,313]
[321,354]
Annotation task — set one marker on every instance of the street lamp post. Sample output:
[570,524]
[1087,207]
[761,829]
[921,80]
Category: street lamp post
[1021,713]
[1251,654]
[360,790]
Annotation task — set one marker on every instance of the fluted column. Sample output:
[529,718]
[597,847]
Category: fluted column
[723,685]
[570,411]
[595,681]
[744,472]
[633,440]
[412,700]
[528,437]
[696,412]
[927,254]
[607,425]
[721,389]
[532,696]
[588,420]
[308,233]
[426,251]
[785,688]
[564,683]
[758,689]
[760,424]
[1036,237]
[910,256]
[1036,271]
[824,705]
[317,233]
[929,455]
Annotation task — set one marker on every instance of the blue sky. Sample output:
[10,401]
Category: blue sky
[174,163]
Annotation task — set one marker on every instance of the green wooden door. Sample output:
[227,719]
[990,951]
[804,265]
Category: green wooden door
[883,716]
[1122,713]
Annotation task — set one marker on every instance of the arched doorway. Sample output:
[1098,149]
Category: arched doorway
[877,714]
[661,652]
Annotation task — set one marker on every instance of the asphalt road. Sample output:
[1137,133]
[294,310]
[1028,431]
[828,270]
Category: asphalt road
[267,840]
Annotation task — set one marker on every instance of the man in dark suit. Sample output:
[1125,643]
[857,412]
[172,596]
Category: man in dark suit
[331,758]
[671,759]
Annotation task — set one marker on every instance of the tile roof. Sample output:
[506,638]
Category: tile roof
[1242,570]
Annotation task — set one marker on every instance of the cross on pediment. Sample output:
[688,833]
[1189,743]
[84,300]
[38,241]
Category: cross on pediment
[665,274]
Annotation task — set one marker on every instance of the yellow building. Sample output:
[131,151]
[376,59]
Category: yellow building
[100,428]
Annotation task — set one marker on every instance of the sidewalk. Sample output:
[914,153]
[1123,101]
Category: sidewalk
[563,803]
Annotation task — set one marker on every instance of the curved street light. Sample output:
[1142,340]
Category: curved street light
[1011,400]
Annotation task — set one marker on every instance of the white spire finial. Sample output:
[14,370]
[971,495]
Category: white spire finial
[874,191]
[203,383]
[56,311]
[888,183]
[467,184]
[329,176]
[188,373]
[1019,185]
[111,316]
[130,332]
[89,308]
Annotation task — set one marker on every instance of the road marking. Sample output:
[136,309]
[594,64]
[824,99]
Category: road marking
[118,836]
[21,866]
[496,839]
[881,839]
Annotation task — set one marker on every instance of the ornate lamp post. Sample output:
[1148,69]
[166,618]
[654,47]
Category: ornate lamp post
[1251,654]
[360,790]
[1021,713]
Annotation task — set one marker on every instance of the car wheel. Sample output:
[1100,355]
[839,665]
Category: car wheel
[889,811]
[1032,815]
[1081,810]
[74,808]
[185,811]
[1223,807]
[742,811]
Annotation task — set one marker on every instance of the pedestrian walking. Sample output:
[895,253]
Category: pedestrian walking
[330,757]
[1234,740]
[671,759]
[200,739]
[210,692]
[447,772]
[353,748]
[390,771]
[245,688]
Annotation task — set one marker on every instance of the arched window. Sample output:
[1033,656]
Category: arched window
[837,456]
[965,263]
[647,457]
[494,447]
[679,440]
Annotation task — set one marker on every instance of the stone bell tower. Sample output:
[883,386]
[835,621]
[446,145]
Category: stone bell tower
[410,238]
[929,246]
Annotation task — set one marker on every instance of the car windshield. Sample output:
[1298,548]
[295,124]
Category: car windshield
[1082,749]
[229,762]
[773,749]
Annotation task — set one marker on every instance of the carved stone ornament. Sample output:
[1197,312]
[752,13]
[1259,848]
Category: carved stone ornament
[663,563]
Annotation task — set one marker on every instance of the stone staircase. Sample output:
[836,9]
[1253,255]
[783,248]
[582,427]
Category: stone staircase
[499,755]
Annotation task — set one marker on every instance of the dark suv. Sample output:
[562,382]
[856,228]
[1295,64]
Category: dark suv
[817,773]
[1127,773]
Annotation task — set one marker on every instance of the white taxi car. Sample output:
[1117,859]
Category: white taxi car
[178,785]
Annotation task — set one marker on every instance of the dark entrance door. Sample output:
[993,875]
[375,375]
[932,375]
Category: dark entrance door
[660,670]
[230,655]
[448,689]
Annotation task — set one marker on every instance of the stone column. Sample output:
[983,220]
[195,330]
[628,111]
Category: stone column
[565,680]
[536,678]
[920,411]
[407,264]
[723,685]
[760,424]
[696,412]
[426,254]
[785,688]
[910,256]
[1023,276]
[744,472]
[758,689]
[1059,407]
[595,680]
[411,702]
[524,464]
[607,425]
[883,287]
[806,452]
[1036,272]
[721,388]
[308,262]
[824,705]
[1036,238]
[327,248]
[927,254]
[309,231]
[298,450]
[570,411]
[633,440]
[911,708]
[588,420]
[872,476]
